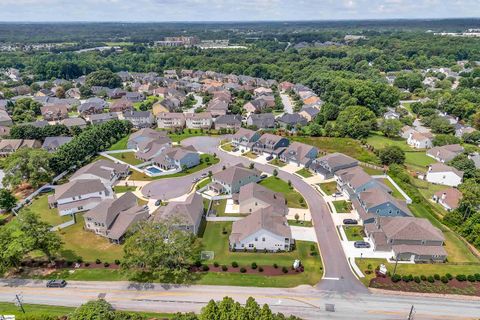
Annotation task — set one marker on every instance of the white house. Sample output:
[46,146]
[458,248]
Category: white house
[440,173]
[420,140]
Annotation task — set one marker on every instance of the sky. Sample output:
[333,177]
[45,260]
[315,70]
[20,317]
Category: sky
[232,10]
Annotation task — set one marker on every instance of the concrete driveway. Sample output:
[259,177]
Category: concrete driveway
[303,233]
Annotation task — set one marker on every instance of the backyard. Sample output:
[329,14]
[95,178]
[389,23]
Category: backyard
[127,157]
[304,173]
[342,206]
[294,199]
[120,144]
[40,206]
[218,206]
[354,233]
[395,192]
[328,187]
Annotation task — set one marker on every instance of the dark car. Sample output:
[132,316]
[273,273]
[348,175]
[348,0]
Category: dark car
[361,244]
[269,158]
[46,190]
[263,176]
[350,221]
[56,283]
[158,202]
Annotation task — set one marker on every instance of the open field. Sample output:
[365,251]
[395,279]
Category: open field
[294,199]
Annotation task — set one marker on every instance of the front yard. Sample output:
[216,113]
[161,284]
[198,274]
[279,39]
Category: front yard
[293,197]
[127,157]
[304,173]
[227,147]
[278,163]
[250,155]
[354,233]
[342,206]
[123,189]
[328,187]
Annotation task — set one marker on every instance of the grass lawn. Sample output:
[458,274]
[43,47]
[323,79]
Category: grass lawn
[250,155]
[426,269]
[294,199]
[187,133]
[328,187]
[227,147]
[123,189]
[40,206]
[87,245]
[139,176]
[395,192]
[304,173]
[354,233]
[214,239]
[219,207]
[342,206]
[372,171]
[203,183]
[300,223]
[128,157]
[277,163]
[347,146]
[120,144]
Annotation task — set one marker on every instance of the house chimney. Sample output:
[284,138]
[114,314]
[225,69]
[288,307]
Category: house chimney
[444,196]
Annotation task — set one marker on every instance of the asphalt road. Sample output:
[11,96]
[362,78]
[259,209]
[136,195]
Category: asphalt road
[287,103]
[305,302]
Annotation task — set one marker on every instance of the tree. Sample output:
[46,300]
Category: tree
[159,249]
[476,120]
[103,78]
[7,200]
[463,163]
[472,138]
[390,127]
[25,110]
[355,122]
[445,139]
[409,81]
[275,172]
[27,165]
[315,130]
[391,154]
[94,310]
[60,93]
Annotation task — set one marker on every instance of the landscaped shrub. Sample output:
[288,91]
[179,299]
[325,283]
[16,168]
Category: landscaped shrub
[254,249]
[254,265]
[198,263]
[284,269]
[461,277]
[444,279]
[436,276]
[449,276]
[235,264]
[106,264]
[396,278]
[87,264]
[477,277]
[275,265]
[431,279]
[416,279]
[79,260]
[423,277]
[260,269]
[117,262]
[216,264]
[69,263]
[243,270]
[205,268]
[224,268]
[98,261]
[244,249]
[471,278]
[405,279]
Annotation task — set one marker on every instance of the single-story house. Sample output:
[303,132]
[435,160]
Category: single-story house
[448,198]
[177,158]
[445,153]
[440,173]
[9,146]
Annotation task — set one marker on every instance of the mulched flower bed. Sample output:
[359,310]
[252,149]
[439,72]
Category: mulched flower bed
[61,264]
[267,270]
[452,287]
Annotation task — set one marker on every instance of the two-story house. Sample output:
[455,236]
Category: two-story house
[230,180]
[177,158]
[376,202]
[170,120]
[300,154]
[253,196]
[326,166]
[270,144]
[245,138]
[201,120]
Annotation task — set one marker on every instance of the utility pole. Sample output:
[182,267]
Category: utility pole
[18,302]
[412,313]
[396,263]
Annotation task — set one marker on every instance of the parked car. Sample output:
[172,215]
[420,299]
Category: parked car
[158,202]
[350,221]
[56,283]
[204,175]
[263,176]
[195,180]
[235,149]
[46,190]
[361,244]
[269,158]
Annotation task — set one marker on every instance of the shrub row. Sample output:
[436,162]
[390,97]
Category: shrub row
[436,277]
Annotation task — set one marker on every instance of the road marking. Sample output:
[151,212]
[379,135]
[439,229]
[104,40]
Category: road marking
[328,278]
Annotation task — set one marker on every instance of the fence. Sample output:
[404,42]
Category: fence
[63,225]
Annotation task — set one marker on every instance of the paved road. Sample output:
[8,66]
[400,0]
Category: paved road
[287,103]
[305,302]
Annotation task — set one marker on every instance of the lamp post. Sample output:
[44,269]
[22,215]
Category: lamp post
[396,263]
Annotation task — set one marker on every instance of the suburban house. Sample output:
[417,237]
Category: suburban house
[149,149]
[448,198]
[445,153]
[121,105]
[285,86]
[113,217]
[299,153]
[108,172]
[245,138]
[376,202]
[352,181]
[409,239]
[253,196]
[270,144]
[309,113]
[177,158]
[217,107]
[420,140]
[230,180]
[74,122]
[5,119]
[228,121]
[51,144]
[202,120]
[134,96]
[259,104]
[261,120]
[92,105]
[170,120]
[99,118]
[185,215]
[54,112]
[326,166]
[139,119]
[440,173]
[291,120]
[9,146]
[391,115]
[79,195]
[262,230]
[144,135]
[406,131]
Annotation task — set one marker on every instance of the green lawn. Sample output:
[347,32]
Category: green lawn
[300,223]
[227,147]
[187,133]
[294,199]
[304,173]
[87,245]
[40,206]
[354,233]
[277,163]
[328,187]
[250,155]
[342,206]
[203,183]
[139,176]
[395,192]
[123,189]
[128,157]
[120,144]
[372,171]
[347,146]
[427,269]
[219,207]
[214,239]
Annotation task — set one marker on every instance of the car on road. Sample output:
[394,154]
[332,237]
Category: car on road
[158,202]
[195,180]
[350,221]
[235,149]
[361,244]
[263,176]
[56,283]
[269,158]
[204,175]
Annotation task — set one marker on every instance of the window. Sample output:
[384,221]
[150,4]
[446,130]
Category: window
[80,197]
[80,208]
[256,239]
[263,239]
[250,245]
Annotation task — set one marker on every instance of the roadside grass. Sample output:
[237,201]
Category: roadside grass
[304,173]
[203,183]
[293,197]
[215,239]
[342,206]
[79,243]
[354,233]
[250,155]
[120,144]
[123,189]
[127,157]
[140,176]
[300,223]
[39,205]
[347,146]
[427,269]
[395,192]
[328,187]
[278,163]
